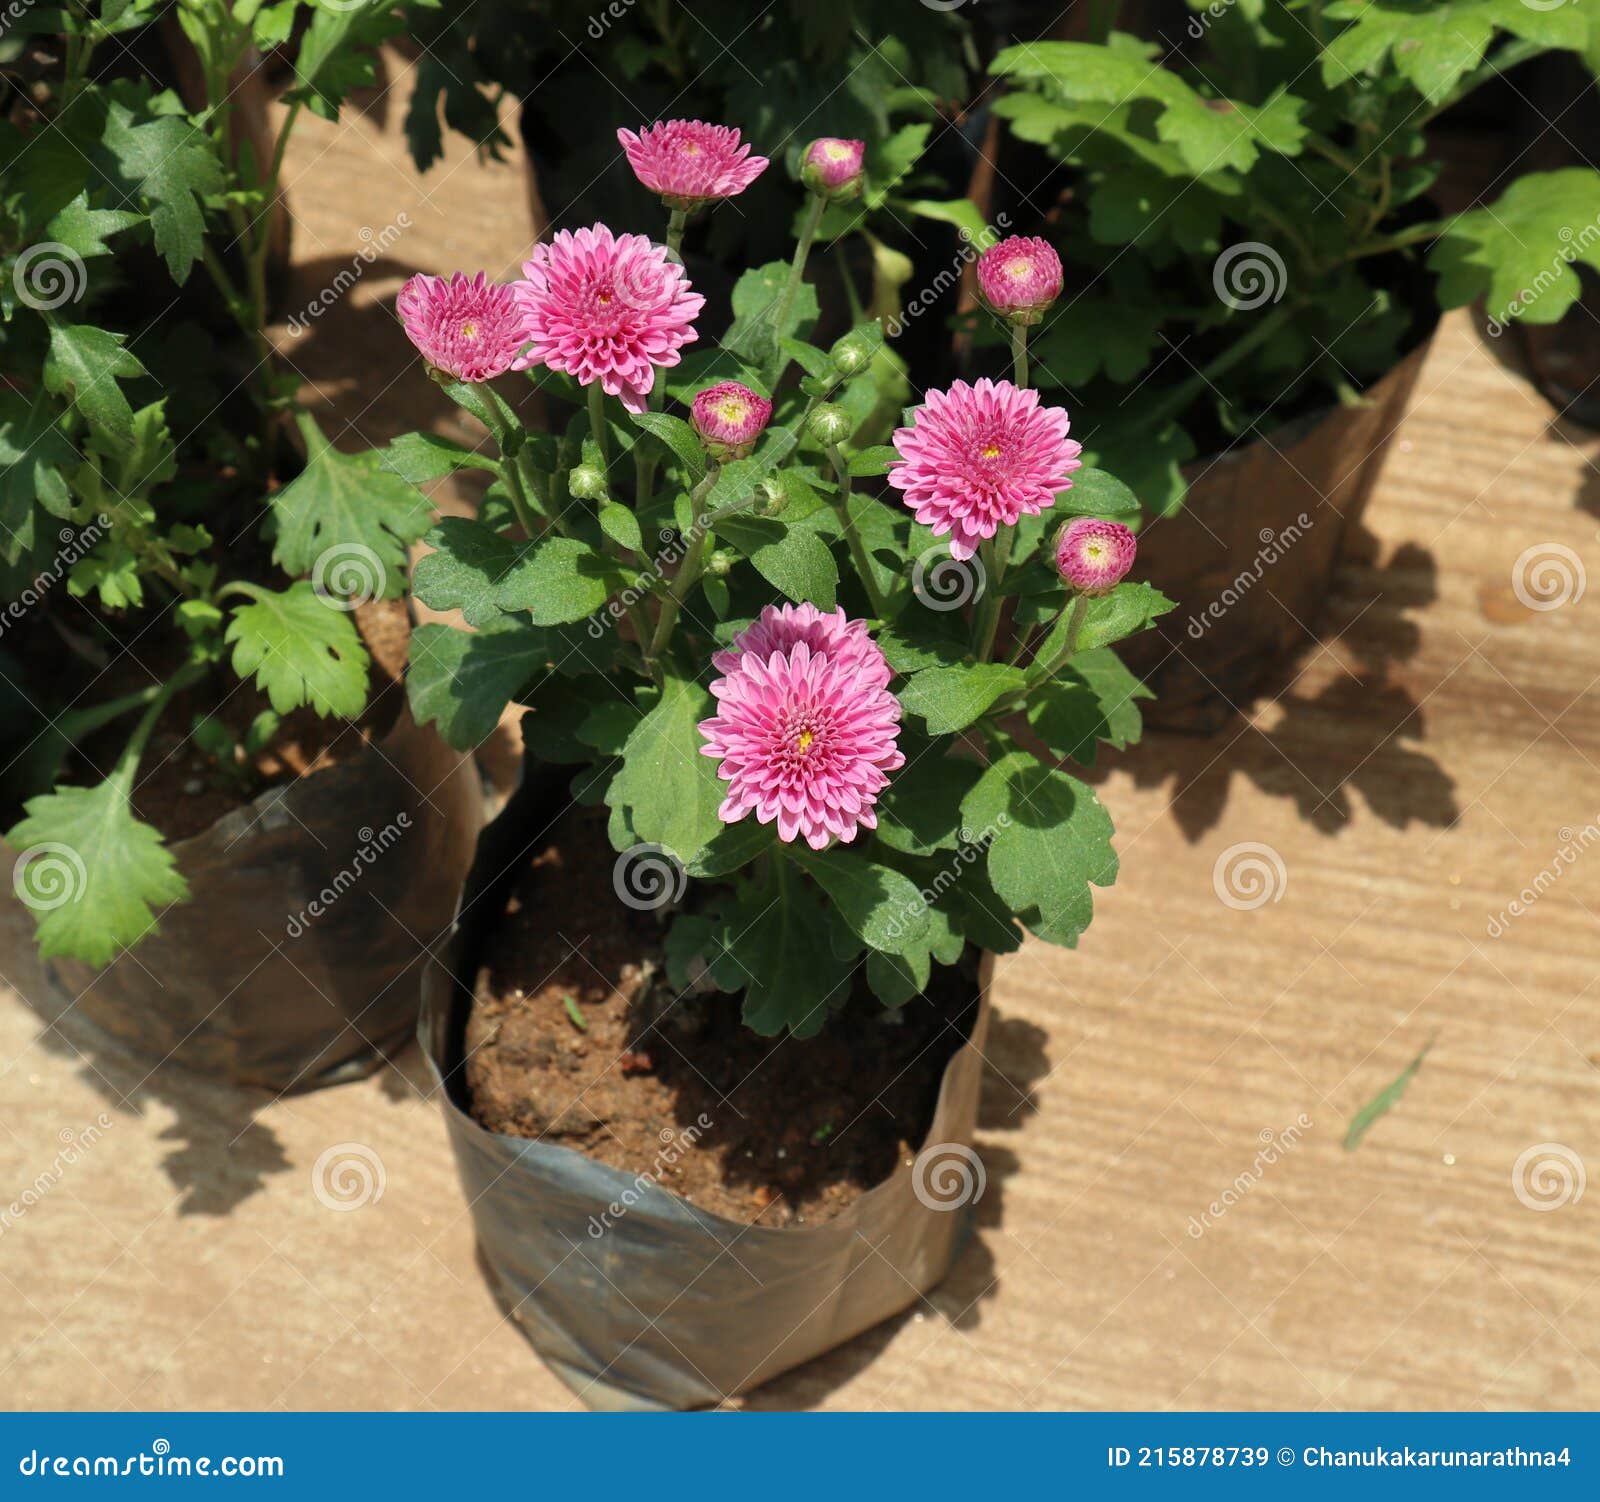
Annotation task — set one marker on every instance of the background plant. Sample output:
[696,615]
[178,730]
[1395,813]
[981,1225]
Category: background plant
[1250,222]
[142,426]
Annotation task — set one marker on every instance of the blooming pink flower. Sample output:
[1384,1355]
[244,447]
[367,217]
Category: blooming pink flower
[779,627]
[607,308]
[1094,555]
[806,739]
[980,457]
[729,418]
[469,328]
[1020,277]
[690,163]
[833,167]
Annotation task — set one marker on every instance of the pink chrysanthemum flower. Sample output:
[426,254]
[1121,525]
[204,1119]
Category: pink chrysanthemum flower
[1020,277]
[832,166]
[806,740]
[607,308]
[470,328]
[729,417]
[779,627]
[690,163]
[1093,556]
[980,457]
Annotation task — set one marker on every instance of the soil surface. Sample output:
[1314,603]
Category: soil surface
[798,1130]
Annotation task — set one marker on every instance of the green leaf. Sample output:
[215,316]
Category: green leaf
[1095,493]
[93,875]
[421,457]
[351,503]
[33,454]
[896,978]
[679,437]
[885,909]
[621,526]
[1519,254]
[950,699]
[782,954]
[671,791]
[468,570]
[756,295]
[1383,1102]
[874,460]
[1094,698]
[1050,839]
[920,811]
[302,649]
[462,680]
[84,365]
[917,641]
[791,559]
[83,230]
[170,165]
[561,580]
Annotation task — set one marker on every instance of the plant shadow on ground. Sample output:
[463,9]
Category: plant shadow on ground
[1342,719]
[1014,1064]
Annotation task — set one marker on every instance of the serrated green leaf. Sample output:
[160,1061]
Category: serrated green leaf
[84,366]
[950,699]
[883,908]
[791,559]
[560,580]
[1094,698]
[33,453]
[93,876]
[170,165]
[302,649]
[468,570]
[670,790]
[421,457]
[348,501]
[679,437]
[462,681]
[756,295]
[782,955]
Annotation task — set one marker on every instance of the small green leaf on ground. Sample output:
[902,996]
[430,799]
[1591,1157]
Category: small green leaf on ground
[1384,1101]
[575,1012]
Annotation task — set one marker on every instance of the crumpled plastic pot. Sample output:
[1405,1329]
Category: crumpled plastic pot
[638,1300]
[295,962]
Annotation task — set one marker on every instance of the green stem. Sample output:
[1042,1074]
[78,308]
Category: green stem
[1019,354]
[517,488]
[797,271]
[128,763]
[858,549]
[1181,396]
[1413,236]
[996,556]
[1069,643]
[597,425]
[676,222]
[688,572]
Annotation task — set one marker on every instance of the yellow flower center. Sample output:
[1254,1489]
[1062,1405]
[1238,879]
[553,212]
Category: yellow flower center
[469,330]
[989,451]
[605,299]
[804,740]
[1095,551]
[690,148]
[732,409]
[836,152]
[1018,270]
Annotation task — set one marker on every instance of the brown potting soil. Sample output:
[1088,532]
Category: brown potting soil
[771,1130]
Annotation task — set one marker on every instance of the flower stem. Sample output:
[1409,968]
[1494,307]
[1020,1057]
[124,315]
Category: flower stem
[1019,355]
[1069,642]
[858,549]
[1174,403]
[597,424]
[688,574]
[676,222]
[996,556]
[512,470]
[797,271]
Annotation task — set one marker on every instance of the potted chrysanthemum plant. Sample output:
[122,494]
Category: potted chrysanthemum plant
[796,717]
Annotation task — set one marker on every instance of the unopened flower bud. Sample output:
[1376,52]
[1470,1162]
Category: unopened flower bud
[832,168]
[850,355]
[773,498]
[1020,277]
[1093,555]
[729,418]
[720,564]
[587,482]
[830,423]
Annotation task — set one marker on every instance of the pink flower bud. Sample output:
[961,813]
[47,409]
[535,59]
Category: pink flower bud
[1020,277]
[690,163]
[729,418]
[833,168]
[1093,555]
